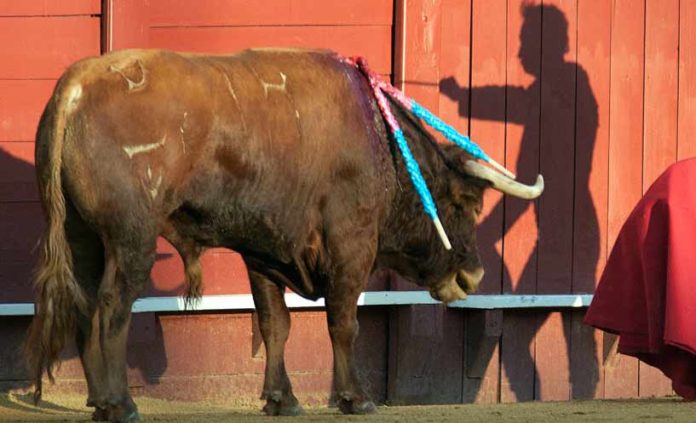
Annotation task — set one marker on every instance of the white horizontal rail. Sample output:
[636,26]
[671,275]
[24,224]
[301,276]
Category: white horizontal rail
[245,302]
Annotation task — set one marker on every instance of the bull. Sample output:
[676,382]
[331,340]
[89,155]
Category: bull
[280,155]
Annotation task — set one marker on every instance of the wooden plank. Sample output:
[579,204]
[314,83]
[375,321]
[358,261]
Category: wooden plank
[371,349]
[591,144]
[373,42]
[419,74]
[687,80]
[559,69]
[127,24]
[49,7]
[488,71]
[553,357]
[455,41]
[21,225]
[487,128]
[620,372]
[17,173]
[42,48]
[522,142]
[426,349]
[12,360]
[426,355]
[660,126]
[586,364]
[625,154]
[518,371]
[555,252]
[16,276]
[626,137]
[522,157]
[652,382]
[21,104]
[661,90]
[591,184]
[168,13]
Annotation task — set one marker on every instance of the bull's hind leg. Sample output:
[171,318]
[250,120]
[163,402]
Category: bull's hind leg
[129,260]
[88,267]
[274,322]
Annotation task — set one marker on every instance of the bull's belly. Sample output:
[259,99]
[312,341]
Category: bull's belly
[261,242]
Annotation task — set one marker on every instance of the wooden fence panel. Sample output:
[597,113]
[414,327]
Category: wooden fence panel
[557,156]
[687,80]
[625,153]
[591,184]
[660,126]
[523,111]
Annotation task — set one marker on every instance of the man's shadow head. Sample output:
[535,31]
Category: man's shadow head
[550,21]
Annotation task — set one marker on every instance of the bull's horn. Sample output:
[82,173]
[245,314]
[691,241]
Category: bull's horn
[504,184]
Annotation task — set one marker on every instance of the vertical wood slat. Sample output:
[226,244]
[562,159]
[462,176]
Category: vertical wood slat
[687,80]
[523,107]
[488,71]
[625,153]
[127,24]
[591,184]
[557,146]
[557,156]
[660,126]
[426,348]
[488,67]
[592,144]
[454,61]
[661,90]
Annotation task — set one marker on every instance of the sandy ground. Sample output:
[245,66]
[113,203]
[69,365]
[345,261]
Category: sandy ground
[19,408]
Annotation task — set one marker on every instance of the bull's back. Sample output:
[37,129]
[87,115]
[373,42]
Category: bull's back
[269,130]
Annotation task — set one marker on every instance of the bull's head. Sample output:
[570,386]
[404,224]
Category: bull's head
[415,251]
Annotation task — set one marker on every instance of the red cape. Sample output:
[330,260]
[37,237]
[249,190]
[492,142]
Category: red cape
[647,293]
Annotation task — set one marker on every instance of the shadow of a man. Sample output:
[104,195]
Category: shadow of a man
[569,121]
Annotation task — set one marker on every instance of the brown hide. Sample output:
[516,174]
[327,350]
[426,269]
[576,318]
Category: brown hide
[245,152]
[281,155]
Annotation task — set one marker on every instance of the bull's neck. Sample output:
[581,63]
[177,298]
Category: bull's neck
[406,212]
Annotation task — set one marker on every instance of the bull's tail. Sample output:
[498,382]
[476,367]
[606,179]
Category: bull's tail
[59,295]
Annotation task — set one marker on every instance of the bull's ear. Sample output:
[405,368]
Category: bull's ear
[456,156]
[467,192]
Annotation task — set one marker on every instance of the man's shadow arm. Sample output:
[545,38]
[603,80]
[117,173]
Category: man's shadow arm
[486,102]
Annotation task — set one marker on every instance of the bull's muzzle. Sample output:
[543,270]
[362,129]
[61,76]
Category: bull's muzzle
[458,286]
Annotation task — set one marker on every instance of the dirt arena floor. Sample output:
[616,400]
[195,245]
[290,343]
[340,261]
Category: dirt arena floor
[19,408]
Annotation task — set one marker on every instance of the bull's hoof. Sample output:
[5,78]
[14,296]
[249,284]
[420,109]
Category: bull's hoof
[100,414]
[279,403]
[121,414]
[356,406]
[282,408]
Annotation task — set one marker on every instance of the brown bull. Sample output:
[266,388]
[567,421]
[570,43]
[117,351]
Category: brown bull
[281,155]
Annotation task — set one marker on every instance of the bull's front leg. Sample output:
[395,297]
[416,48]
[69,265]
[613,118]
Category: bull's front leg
[341,313]
[274,322]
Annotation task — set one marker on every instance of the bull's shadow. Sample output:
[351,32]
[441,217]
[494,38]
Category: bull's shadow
[21,225]
[563,82]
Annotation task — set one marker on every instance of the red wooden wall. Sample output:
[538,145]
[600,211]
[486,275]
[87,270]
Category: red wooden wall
[38,40]
[600,118]
[600,115]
